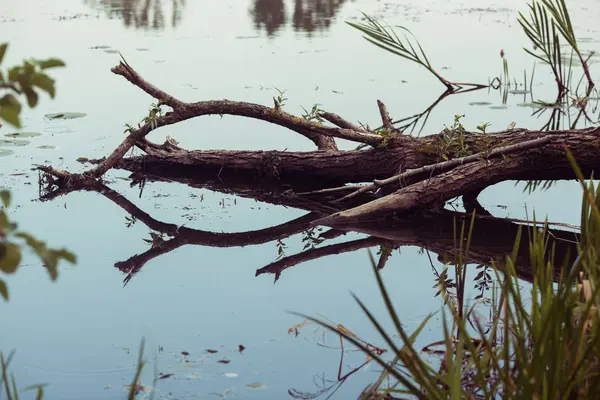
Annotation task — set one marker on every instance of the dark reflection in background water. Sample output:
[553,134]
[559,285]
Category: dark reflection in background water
[308,15]
[269,15]
[142,14]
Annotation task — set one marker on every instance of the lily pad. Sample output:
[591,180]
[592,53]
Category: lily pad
[480,103]
[66,115]
[46,147]
[111,51]
[13,143]
[4,152]
[538,105]
[498,107]
[23,134]
[256,385]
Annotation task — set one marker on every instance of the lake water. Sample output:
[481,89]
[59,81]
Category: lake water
[81,333]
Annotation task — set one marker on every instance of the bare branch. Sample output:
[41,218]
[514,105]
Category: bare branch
[132,76]
[385,117]
[341,122]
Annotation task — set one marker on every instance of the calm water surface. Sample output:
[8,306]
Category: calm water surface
[81,333]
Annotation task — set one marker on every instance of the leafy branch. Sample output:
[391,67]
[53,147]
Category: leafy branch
[10,248]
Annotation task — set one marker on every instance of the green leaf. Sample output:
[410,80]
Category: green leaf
[11,258]
[66,255]
[14,74]
[31,241]
[5,196]
[3,48]
[10,115]
[3,290]
[50,63]
[45,83]
[32,97]
[10,100]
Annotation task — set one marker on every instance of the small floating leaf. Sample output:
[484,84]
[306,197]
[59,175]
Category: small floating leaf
[111,51]
[46,147]
[498,107]
[255,385]
[23,134]
[4,153]
[480,103]
[241,348]
[230,375]
[539,105]
[66,115]
[185,353]
[224,361]
[212,351]
[165,376]
[13,143]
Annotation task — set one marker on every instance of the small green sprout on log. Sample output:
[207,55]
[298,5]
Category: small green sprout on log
[279,101]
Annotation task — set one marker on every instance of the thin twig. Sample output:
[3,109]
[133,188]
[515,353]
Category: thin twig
[341,122]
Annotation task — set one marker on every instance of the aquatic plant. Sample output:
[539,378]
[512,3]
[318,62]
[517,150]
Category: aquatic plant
[542,341]
[407,47]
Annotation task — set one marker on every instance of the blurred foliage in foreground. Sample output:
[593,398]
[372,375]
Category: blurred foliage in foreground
[24,80]
[11,241]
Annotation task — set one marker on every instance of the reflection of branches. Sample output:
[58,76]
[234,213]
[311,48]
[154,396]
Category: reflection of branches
[326,385]
[140,14]
[281,265]
[433,231]
[181,235]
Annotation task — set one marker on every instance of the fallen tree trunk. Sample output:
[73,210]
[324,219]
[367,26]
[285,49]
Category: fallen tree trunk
[405,172]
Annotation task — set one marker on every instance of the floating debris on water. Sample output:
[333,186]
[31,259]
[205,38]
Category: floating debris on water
[66,115]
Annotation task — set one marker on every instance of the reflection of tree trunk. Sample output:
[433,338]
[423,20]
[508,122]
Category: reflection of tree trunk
[492,240]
